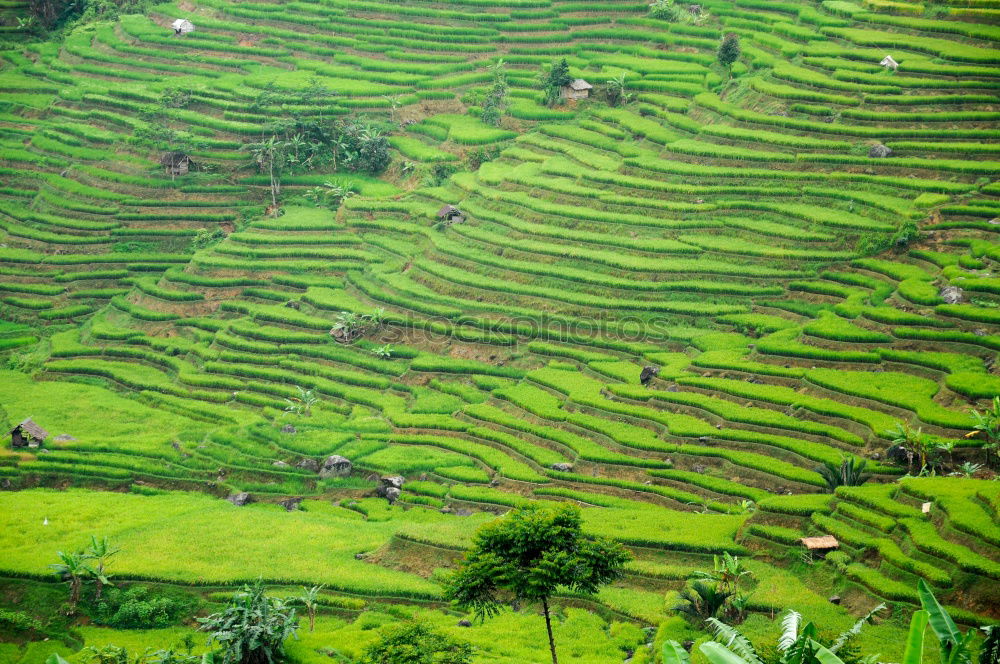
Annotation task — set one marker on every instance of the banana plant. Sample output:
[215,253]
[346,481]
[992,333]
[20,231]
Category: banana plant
[955,647]
[797,644]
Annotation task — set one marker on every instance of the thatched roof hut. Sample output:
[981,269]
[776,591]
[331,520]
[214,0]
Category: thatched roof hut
[577,89]
[889,63]
[821,544]
[175,163]
[27,434]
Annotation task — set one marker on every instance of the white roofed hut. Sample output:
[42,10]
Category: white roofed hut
[889,63]
[182,26]
[577,89]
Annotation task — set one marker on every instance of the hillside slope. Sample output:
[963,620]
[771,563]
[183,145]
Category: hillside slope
[732,228]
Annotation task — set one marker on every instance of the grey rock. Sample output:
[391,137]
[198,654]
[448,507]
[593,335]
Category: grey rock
[703,439]
[280,464]
[6,485]
[288,428]
[396,481]
[879,151]
[980,332]
[951,294]
[648,373]
[308,464]
[291,504]
[834,599]
[562,467]
[392,494]
[673,388]
[240,499]
[464,623]
[335,466]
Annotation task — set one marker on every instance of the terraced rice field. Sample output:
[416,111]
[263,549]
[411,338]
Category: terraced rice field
[728,227]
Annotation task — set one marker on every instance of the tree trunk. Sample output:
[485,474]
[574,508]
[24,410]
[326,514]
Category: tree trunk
[99,588]
[274,193]
[312,619]
[548,626]
[74,593]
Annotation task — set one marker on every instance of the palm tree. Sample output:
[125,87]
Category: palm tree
[851,472]
[728,572]
[310,600]
[703,601]
[101,552]
[72,567]
[394,103]
[616,91]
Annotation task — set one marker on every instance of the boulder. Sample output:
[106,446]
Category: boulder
[240,499]
[288,428]
[335,466]
[390,483]
[648,373]
[834,599]
[673,388]
[879,151]
[951,294]
[392,494]
[464,623]
[562,467]
[308,464]
[291,504]
[898,455]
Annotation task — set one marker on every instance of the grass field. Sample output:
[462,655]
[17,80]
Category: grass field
[801,298]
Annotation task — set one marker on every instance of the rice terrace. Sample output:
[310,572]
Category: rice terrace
[499,331]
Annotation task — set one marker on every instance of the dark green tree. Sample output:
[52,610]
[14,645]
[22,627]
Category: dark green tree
[416,644]
[729,49]
[253,628]
[530,554]
[553,80]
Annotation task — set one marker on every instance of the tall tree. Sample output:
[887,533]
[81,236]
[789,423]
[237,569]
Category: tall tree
[729,50]
[529,555]
[270,155]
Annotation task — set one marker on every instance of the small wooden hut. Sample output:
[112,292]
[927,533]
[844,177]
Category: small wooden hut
[577,89]
[27,434]
[820,545]
[450,214]
[175,163]
[889,63]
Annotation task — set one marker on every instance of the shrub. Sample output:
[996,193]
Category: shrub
[139,607]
